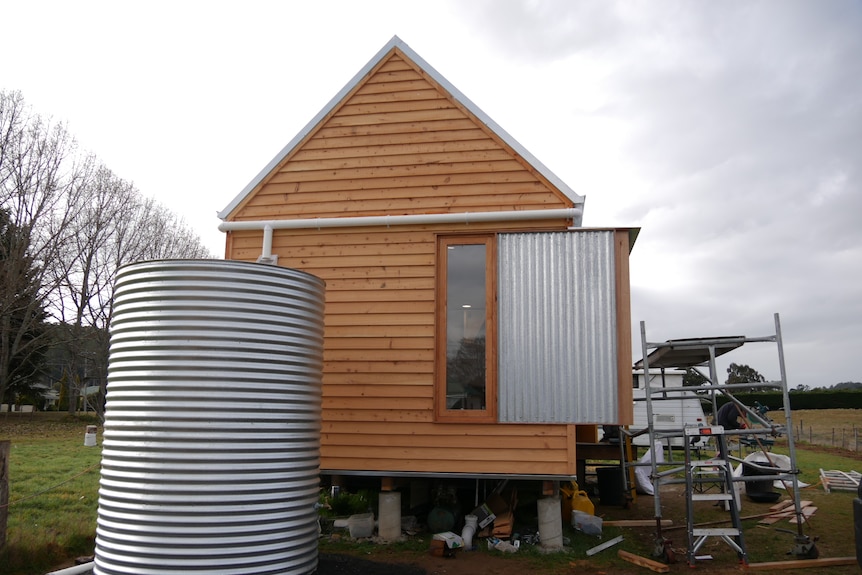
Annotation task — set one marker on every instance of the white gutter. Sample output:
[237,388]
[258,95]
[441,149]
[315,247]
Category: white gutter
[575,214]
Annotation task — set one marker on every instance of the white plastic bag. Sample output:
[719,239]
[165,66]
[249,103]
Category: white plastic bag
[642,473]
[586,523]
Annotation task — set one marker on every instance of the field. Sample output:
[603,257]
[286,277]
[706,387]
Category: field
[839,428]
[54,498]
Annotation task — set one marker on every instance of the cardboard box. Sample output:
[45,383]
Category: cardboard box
[484,515]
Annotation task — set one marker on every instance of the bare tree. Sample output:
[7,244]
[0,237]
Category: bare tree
[75,224]
[40,183]
[114,227]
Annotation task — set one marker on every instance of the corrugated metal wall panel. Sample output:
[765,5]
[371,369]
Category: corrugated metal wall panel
[557,328]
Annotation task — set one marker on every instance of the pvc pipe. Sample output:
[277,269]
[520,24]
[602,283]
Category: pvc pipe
[471,523]
[389,515]
[267,241]
[76,570]
[575,214]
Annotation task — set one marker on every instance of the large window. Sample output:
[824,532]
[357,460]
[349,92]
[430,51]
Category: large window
[466,315]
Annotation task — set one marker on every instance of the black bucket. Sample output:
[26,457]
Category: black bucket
[763,490]
[610,480]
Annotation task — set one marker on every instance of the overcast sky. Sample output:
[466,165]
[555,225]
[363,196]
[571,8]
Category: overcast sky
[730,132]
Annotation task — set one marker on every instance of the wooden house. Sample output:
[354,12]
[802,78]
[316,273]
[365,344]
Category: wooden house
[473,328]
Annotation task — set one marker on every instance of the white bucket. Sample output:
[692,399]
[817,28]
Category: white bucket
[90,436]
[361,525]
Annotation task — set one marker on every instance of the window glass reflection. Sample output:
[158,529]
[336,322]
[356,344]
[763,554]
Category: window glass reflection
[466,312]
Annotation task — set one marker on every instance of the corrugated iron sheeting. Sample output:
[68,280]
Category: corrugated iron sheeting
[557,328]
[212,430]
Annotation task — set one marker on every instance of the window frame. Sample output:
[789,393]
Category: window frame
[441,413]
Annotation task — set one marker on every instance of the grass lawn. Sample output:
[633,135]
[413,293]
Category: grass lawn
[54,499]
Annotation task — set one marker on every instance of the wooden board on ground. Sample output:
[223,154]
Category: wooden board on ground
[806,513]
[803,563]
[643,562]
[784,512]
[637,523]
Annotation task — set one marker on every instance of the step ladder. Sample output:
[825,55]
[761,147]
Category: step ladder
[720,472]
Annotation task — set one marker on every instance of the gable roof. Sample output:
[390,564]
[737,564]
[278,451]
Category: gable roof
[397,44]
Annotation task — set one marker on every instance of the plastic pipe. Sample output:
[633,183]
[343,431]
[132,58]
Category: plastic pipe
[575,214]
[82,568]
[471,522]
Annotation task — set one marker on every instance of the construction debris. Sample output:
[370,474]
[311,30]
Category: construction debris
[803,563]
[603,546]
[786,510]
[643,562]
[637,523]
[839,480]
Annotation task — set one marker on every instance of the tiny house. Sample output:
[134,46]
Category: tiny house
[473,327]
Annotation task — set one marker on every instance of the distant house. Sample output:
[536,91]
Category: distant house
[472,326]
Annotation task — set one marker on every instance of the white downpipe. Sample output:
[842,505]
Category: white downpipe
[575,214]
[267,241]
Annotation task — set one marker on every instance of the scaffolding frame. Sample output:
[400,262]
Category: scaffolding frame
[698,353]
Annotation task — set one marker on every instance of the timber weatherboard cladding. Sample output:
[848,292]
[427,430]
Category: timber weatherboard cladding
[379,357]
[399,142]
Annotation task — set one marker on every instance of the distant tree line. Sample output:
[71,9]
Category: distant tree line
[842,395]
[814,399]
[67,223]
[741,373]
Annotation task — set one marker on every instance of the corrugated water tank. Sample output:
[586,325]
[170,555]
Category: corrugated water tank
[211,447]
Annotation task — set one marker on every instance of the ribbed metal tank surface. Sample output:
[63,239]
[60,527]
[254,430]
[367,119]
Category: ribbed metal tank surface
[211,448]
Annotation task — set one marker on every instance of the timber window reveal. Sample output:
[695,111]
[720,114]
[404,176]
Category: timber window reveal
[466,329]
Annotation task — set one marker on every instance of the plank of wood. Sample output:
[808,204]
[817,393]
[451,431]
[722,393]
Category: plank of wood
[643,562]
[806,513]
[803,563]
[637,523]
[785,513]
[781,505]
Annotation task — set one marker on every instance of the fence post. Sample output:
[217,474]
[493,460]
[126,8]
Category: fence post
[4,490]
[809,436]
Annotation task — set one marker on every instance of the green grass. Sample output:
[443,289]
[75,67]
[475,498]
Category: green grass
[54,499]
[53,493]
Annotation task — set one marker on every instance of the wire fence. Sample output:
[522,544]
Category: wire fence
[841,437]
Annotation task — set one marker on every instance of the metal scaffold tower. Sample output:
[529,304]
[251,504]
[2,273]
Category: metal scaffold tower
[700,354]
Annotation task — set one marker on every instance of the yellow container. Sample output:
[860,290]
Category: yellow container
[574,498]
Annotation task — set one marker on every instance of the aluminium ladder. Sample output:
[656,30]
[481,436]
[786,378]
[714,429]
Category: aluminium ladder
[715,470]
